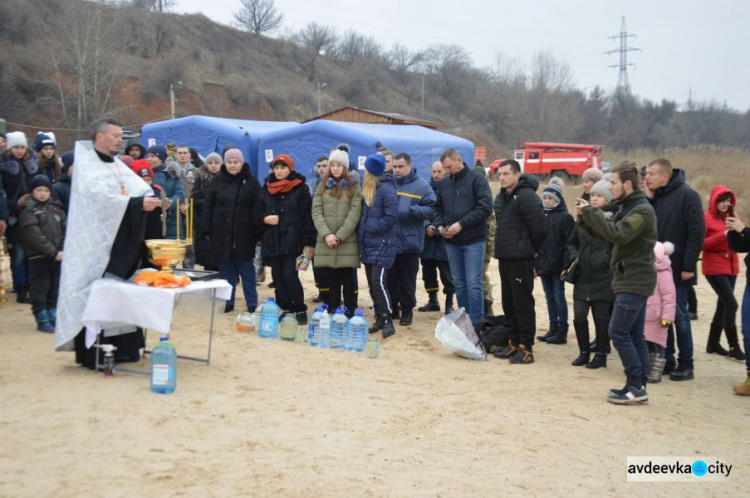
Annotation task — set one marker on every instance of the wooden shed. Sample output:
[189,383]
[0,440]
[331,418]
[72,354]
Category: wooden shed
[355,115]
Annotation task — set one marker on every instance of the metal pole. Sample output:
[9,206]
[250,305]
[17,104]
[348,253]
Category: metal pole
[318,98]
[422,95]
[171,99]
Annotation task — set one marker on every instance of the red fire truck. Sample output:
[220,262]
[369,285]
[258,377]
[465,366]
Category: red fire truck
[567,161]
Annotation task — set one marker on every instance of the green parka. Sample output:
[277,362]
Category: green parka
[339,217]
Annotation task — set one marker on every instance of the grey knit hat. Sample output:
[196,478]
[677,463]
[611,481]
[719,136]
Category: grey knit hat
[593,174]
[555,188]
[602,188]
[214,157]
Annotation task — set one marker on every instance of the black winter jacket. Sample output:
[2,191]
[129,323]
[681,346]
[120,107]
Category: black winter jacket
[740,242]
[61,190]
[594,282]
[43,226]
[295,229]
[560,226]
[520,231]
[231,215]
[15,181]
[465,198]
[680,220]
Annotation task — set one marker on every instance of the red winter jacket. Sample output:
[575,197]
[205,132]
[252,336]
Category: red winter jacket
[718,258]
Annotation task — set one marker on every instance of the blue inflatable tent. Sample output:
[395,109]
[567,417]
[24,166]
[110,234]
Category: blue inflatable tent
[308,141]
[209,134]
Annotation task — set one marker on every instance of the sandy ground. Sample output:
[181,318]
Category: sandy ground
[274,418]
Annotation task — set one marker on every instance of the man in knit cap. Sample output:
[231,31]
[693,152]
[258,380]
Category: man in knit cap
[590,177]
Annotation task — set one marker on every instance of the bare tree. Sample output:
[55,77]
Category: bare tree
[259,16]
[547,73]
[353,46]
[401,59]
[86,58]
[315,40]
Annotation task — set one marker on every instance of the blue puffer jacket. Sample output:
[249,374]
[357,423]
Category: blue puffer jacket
[416,207]
[168,178]
[434,247]
[376,235]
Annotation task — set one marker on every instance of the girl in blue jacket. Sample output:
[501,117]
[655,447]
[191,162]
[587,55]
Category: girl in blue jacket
[377,238]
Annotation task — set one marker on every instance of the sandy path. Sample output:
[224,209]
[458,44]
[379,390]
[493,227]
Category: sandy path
[275,418]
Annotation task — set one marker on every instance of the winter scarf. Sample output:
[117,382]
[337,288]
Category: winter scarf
[285,186]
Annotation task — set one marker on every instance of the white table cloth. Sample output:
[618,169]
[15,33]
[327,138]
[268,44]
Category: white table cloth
[115,303]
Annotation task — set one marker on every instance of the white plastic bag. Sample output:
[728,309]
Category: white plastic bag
[455,332]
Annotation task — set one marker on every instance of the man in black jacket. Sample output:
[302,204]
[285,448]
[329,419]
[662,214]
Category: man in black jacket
[519,237]
[680,220]
[464,202]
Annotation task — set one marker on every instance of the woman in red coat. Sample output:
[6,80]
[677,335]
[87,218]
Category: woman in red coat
[721,266]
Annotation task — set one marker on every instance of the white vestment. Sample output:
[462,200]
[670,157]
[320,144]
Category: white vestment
[97,207]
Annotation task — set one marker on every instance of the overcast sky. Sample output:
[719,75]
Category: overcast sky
[703,45]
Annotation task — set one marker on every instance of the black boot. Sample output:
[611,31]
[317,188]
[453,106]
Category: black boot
[561,336]
[602,336]
[582,359]
[684,371]
[713,346]
[378,325]
[407,316]
[550,333]
[395,314]
[23,295]
[599,361]
[735,352]
[432,303]
[388,328]
[449,303]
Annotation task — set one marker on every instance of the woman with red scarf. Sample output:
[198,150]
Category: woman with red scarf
[721,266]
[286,207]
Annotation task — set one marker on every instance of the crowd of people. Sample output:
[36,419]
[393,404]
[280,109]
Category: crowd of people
[630,247]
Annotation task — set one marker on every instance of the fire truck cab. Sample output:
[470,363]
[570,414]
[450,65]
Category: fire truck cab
[567,161]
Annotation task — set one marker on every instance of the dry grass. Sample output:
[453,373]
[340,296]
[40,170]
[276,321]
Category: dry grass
[705,167]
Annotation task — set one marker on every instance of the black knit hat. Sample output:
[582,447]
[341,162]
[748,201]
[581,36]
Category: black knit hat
[40,181]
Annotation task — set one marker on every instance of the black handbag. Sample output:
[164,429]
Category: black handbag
[571,274]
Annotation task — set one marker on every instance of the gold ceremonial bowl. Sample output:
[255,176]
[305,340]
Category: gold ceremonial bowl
[166,253]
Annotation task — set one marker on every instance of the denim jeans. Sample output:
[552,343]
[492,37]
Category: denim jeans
[554,292]
[682,326]
[228,270]
[626,332]
[467,265]
[746,324]
[19,266]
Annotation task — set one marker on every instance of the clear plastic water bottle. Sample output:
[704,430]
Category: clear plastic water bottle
[339,324]
[313,330]
[356,338]
[269,319]
[164,367]
[325,330]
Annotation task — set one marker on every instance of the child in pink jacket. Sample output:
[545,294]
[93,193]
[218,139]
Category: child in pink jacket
[660,311]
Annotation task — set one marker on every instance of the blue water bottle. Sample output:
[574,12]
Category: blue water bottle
[269,319]
[164,367]
[357,336]
[339,324]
